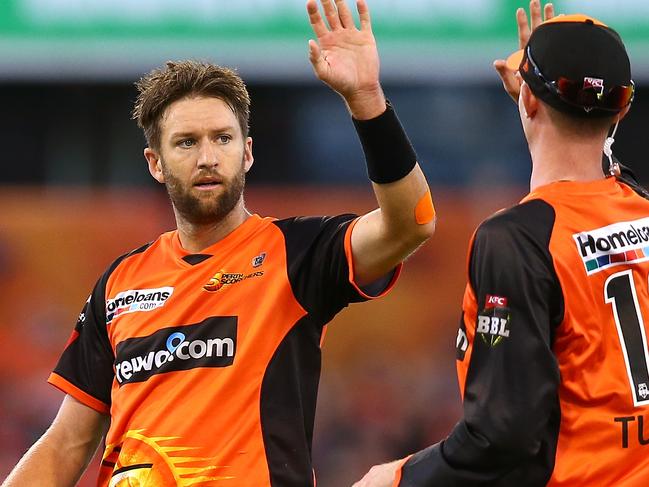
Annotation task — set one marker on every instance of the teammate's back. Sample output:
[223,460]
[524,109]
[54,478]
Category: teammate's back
[600,249]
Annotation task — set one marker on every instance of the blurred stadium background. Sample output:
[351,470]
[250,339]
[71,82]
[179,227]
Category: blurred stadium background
[75,192]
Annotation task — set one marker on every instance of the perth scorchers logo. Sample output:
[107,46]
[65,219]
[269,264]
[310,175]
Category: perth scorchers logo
[223,278]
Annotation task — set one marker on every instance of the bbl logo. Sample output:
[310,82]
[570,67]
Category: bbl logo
[493,321]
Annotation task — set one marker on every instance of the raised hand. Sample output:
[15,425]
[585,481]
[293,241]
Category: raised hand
[511,82]
[345,57]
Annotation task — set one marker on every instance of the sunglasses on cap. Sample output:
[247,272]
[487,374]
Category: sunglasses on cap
[588,93]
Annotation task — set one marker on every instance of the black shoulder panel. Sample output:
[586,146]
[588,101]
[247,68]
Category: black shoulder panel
[525,231]
[316,263]
[87,362]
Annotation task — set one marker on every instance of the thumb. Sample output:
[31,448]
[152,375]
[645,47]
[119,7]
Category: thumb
[501,67]
[317,60]
[508,77]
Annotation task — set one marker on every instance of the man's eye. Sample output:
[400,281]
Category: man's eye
[186,143]
[224,139]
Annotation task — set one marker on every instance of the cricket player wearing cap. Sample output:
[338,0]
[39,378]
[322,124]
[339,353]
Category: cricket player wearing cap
[552,350]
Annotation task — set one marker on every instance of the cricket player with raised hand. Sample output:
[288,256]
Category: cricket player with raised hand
[197,356]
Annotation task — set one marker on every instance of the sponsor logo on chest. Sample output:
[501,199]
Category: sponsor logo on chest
[224,278]
[135,300]
[619,243]
[211,343]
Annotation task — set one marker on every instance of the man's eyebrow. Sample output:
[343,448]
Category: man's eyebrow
[189,133]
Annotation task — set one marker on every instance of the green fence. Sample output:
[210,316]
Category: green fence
[116,37]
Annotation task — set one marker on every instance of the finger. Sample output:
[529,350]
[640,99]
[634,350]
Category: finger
[535,13]
[315,54]
[364,14]
[317,24]
[548,11]
[345,15]
[331,13]
[523,28]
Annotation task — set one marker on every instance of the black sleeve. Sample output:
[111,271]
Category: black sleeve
[85,369]
[87,361]
[510,425]
[318,267]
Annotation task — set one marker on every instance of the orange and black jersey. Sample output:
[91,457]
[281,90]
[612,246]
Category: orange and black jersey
[208,364]
[552,350]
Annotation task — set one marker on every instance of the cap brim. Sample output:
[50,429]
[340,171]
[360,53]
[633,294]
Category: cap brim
[514,60]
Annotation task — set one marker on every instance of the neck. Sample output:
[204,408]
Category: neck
[196,237]
[562,159]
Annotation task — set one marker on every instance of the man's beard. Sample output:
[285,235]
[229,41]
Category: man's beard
[207,209]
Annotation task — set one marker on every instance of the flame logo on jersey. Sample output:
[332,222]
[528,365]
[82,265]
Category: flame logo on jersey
[140,461]
[223,278]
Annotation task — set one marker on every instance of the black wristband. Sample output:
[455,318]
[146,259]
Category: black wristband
[388,153]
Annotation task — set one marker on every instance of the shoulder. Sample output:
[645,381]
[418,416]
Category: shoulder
[313,223]
[125,259]
[530,221]
[305,229]
[515,237]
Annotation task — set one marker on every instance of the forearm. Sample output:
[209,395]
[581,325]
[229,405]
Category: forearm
[51,463]
[466,458]
[407,212]
[61,455]
[397,180]
[406,216]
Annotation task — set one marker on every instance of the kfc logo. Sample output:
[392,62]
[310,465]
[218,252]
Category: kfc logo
[492,301]
[596,84]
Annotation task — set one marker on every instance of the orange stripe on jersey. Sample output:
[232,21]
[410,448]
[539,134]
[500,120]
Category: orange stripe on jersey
[350,259]
[399,472]
[65,386]
[73,336]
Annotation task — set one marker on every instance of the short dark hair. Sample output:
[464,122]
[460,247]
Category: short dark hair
[580,127]
[177,80]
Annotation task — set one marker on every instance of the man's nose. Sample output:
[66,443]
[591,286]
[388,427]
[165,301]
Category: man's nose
[207,155]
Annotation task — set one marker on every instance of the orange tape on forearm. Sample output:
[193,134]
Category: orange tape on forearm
[425,211]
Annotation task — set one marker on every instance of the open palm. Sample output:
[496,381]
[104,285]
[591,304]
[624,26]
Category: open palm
[344,57]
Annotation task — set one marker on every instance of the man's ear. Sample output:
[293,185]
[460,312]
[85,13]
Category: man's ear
[528,102]
[155,164]
[248,159]
[623,113]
